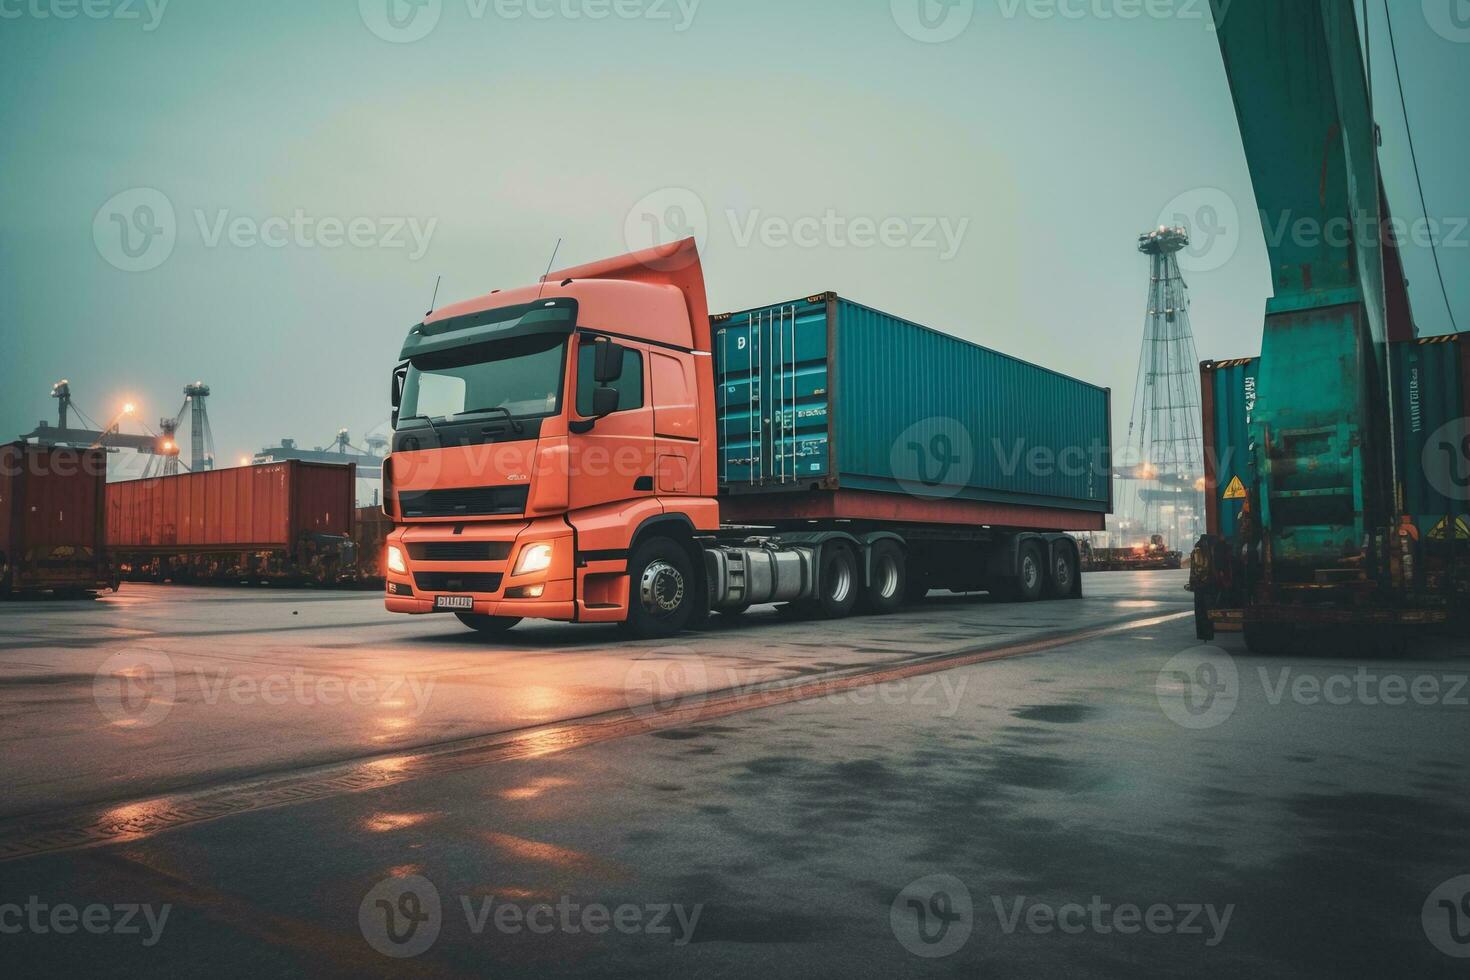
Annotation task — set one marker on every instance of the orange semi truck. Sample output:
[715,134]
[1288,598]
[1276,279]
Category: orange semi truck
[597,448]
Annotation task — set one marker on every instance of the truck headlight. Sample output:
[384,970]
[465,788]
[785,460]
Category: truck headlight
[534,558]
[395,560]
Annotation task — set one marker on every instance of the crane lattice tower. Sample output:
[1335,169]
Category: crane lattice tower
[1166,450]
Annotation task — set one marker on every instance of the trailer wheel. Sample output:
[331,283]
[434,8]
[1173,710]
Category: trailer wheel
[1204,629]
[887,586]
[1061,579]
[488,624]
[661,589]
[1029,581]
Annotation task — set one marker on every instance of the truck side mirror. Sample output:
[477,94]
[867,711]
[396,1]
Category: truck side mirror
[400,373]
[607,361]
[604,401]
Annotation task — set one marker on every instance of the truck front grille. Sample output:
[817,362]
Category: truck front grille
[479,582]
[460,551]
[464,502]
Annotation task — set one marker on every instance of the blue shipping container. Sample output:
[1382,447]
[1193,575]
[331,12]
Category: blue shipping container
[823,393]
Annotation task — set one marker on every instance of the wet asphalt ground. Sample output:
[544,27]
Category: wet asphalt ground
[228,782]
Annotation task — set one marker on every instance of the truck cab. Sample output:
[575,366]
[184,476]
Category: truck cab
[554,450]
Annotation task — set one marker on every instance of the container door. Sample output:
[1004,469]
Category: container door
[772,395]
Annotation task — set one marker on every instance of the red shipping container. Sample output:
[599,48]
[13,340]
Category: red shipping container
[52,518]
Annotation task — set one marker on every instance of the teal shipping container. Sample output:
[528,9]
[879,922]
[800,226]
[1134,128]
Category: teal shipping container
[826,394]
[1432,389]
[1229,397]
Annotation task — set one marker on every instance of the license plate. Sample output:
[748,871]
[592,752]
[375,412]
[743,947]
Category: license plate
[454,602]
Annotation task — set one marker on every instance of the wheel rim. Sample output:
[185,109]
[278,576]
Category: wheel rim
[661,588]
[1030,574]
[841,577]
[1064,572]
[887,578]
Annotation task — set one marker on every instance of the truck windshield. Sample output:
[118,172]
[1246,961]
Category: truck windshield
[522,376]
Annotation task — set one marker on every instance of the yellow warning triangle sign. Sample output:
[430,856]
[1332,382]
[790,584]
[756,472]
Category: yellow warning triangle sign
[1441,531]
[1236,490]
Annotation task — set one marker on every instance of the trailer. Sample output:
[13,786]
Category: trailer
[597,448]
[291,521]
[52,520]
[370,541]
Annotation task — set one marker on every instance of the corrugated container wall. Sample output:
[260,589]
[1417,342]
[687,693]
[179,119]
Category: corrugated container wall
[824,393]
[1432,389]
[248,507]
[51,499]
[1230,394]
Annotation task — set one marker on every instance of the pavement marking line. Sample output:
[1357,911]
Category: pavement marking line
[96,825]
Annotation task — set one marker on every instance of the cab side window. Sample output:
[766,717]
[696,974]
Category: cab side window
[629,386]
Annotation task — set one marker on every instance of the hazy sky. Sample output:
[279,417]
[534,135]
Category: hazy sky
[321,168]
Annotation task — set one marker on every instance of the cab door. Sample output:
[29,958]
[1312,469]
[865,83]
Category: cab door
[613,457]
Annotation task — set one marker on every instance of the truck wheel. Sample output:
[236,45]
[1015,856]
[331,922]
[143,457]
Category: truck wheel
[837,583]
[488,624]
[1061,579]
[888,588]
[661,590]
[1030,578]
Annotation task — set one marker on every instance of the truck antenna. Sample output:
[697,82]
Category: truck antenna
[435,298]
[548,268]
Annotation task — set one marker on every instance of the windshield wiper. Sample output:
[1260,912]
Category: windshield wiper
[515,423]
[424,418]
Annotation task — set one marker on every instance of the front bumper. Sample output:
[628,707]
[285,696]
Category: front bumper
[488,582]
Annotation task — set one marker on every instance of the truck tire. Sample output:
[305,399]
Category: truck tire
[1061,577]
[887,587]
[1029,581]
[661,590]
[838,585]
[488,624]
